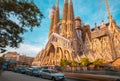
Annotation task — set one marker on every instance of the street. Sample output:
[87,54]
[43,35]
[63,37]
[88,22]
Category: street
[11,76]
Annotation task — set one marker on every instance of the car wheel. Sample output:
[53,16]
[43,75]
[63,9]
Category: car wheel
[53,78]
[31,74]
[40,76]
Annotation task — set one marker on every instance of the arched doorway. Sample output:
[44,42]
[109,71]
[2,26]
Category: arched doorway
[59,55]
[51,55]
[67,55]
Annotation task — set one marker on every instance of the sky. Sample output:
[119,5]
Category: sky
[90,12]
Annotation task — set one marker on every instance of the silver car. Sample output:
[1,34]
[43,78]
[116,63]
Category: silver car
[51,74]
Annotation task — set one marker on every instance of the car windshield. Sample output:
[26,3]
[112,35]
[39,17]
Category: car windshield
[53,71]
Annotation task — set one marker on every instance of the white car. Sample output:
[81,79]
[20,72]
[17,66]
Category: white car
[51,74]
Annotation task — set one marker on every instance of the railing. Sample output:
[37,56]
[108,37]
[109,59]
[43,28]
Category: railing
[93,70]
[99,33]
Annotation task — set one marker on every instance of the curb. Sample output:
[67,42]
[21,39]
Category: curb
[77,78]
[92,77]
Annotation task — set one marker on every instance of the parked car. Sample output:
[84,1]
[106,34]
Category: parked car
[40,67]
[29,71]
[15,69]
[22,69]
[54,67]
[36,72]
[33,71]
[51,74]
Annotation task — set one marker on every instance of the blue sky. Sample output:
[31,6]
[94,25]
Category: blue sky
[90,11]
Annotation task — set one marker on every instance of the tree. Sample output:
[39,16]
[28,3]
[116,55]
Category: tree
[74,63]
[84,63]
[16,18]
[98,62]
[64,62]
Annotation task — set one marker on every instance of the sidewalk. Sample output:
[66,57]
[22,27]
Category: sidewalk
[1,72]
[92,77]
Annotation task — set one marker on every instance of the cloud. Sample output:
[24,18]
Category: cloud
[26,49]
[29,48]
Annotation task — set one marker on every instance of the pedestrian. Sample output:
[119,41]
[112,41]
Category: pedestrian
[0,68]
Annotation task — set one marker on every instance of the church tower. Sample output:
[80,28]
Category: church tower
[54,19]
[64,19]
[79,32]
[71,33]
[70,21]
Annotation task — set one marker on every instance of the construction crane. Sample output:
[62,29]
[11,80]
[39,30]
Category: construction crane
[108,10]
[57,2]
[111,35]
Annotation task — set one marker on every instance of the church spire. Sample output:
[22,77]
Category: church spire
[65,10]
[52,15]
[70,20]
[71,33]
[56,18]
[64,18]
[70,11]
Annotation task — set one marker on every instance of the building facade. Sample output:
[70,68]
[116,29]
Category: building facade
[70,39]
[20,59]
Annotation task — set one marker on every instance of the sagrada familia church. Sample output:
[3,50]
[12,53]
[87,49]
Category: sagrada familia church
[71,40]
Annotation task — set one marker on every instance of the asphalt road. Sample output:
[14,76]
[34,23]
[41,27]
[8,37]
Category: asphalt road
[11,76]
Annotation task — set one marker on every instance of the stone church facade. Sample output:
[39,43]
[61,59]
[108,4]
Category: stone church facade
[71,40]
